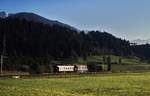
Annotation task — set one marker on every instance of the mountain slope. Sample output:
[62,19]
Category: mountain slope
[56,41]
[39,19]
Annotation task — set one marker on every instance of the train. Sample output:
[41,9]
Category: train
[60,68]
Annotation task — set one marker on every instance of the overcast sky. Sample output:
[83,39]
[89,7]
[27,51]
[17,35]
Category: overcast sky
[129,19]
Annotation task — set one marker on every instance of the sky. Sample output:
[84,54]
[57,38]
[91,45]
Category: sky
[127,19]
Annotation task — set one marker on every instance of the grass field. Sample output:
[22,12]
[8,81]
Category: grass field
[112,84]
[128,64]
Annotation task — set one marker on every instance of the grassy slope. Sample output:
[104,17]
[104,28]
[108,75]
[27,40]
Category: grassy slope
[130,65]
[116,84]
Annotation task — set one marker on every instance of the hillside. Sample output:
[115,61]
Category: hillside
[37,39]
[31,40]
[38,19]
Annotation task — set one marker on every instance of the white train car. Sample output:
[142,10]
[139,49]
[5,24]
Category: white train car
[82,68]
[66,68]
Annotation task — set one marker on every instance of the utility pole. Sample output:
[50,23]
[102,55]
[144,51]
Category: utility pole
[109,63]
[1,64]
[3,52]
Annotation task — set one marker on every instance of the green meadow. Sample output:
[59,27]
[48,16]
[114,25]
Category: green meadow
[130,78]
[107,84]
